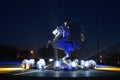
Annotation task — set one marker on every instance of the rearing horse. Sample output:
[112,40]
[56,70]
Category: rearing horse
[61,41]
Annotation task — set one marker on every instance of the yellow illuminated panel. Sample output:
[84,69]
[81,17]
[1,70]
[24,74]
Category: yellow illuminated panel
[108,68]
[25,66]
[5,70]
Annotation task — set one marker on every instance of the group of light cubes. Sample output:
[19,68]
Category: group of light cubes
[71,65]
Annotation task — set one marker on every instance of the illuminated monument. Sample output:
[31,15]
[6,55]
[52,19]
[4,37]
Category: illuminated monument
[63,39]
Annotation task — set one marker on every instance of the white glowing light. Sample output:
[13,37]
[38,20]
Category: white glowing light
[55,32]
[92,62]
[25,64]
[42,61]
[57,64]
[25,61]
[76,60]
[32,62]
[41,64]
[73,64]
[88,64]
[50,60]
[65,23]
[82,63]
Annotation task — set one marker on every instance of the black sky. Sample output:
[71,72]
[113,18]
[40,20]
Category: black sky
[28,24]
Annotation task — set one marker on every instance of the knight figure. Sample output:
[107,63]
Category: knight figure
[63,40]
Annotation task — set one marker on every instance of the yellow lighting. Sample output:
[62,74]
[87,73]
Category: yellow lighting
[109,68]
[25,66]
[5,70]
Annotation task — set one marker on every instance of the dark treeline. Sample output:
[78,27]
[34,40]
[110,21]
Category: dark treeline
[8,52]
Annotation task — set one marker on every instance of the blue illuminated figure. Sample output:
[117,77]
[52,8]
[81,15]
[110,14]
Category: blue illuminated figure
[64,41]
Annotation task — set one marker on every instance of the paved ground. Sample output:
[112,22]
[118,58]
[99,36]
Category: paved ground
[79,73]
[99,72]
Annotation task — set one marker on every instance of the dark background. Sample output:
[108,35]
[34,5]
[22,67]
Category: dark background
[28,24]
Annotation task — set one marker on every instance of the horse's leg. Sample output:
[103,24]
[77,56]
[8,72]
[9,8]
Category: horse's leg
[66,56]
[50,43]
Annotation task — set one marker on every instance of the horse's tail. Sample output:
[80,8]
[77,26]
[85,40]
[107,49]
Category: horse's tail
[76,44]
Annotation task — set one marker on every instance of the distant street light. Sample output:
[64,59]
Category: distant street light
[32,52]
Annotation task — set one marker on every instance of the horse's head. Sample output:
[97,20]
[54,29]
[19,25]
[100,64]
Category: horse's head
[55,32]
[58,31]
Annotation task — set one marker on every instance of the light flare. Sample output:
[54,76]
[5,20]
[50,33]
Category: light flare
[5,70]
[108,68]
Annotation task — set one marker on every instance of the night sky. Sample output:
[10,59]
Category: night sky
[28,24]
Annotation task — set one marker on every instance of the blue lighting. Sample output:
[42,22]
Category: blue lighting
[10,63]
[66,67]
[63,40]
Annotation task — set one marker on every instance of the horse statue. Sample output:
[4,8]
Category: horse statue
[64,41]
